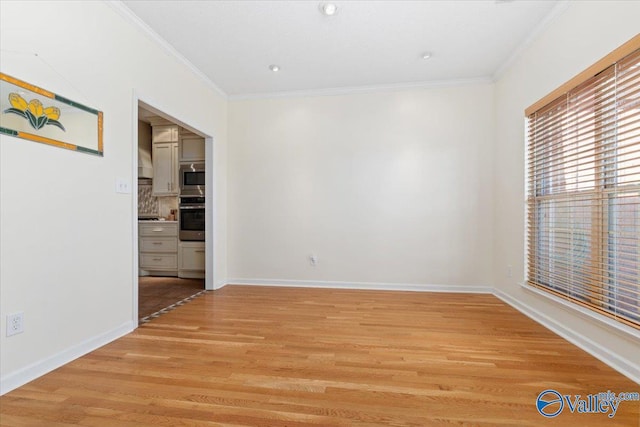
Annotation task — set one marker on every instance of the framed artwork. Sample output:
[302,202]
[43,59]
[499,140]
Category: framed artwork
[29,112]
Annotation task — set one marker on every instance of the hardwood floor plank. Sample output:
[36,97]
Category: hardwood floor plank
[270,356]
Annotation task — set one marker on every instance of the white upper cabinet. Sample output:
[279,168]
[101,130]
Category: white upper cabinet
[168,133]
[165,160]
[191,148]
[165,169]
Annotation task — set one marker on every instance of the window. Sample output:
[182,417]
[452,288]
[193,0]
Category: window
[583,196]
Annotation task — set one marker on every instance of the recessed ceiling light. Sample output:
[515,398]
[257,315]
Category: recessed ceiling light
[328,9]
[274,68]
[426,55]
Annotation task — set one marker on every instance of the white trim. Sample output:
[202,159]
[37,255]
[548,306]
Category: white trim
[134,20]
[22,376]
[622,365]
[557,10]
[134,208]
[568,305]
[471,289]
[525,229]
[362,89]
[210,229]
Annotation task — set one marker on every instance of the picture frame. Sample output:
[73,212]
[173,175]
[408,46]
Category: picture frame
[35,114]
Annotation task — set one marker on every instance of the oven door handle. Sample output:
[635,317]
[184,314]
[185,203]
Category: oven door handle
[192,207]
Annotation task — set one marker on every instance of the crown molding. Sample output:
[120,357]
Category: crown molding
[349,90]
[557,10]
[134,20]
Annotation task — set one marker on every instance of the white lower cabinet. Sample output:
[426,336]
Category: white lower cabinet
[158,247]
[156,262]
[191,260]
[159,244]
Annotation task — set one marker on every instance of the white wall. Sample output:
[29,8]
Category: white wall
[391,187]
[569,45]
[66,237]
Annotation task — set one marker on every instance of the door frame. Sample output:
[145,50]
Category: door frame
[210,204]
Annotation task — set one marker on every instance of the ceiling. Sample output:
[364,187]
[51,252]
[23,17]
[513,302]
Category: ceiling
[365,44]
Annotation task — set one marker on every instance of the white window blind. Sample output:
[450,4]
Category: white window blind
[584,193]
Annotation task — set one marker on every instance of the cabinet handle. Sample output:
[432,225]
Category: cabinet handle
[199,251]
[157,259]
[158,230]
[168,186]
[157,243]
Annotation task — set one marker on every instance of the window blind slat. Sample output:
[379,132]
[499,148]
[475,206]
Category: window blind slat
[583,204]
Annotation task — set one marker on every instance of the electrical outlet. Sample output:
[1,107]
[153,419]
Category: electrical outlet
[313,259]
[15,323]
[509,271]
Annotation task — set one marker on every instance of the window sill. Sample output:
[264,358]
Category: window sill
[623,329]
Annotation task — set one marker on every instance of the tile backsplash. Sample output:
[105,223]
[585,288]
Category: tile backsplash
[147,203]
[166,204]
[150,205]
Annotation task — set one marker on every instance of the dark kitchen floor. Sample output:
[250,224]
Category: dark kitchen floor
[156,293]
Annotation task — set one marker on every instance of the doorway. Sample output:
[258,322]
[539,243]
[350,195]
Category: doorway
[170,267]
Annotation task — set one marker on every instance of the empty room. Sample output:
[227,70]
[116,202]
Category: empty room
[319,213]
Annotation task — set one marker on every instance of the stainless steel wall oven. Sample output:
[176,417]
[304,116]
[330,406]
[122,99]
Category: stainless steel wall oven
[191,218]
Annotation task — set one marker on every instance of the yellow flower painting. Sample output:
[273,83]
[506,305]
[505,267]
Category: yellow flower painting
[36,114]
[38,108]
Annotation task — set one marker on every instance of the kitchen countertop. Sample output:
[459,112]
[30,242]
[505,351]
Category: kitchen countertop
[158,221]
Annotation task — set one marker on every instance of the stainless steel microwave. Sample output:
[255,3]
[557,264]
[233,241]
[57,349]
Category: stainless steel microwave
[192,179]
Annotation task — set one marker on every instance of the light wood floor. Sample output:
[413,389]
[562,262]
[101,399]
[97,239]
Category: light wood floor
[267,356]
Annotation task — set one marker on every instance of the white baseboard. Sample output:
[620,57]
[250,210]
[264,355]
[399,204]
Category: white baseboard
[626,367]
[471,289]
[18,378]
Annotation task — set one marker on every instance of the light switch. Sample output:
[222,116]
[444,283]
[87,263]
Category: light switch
[123,186]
